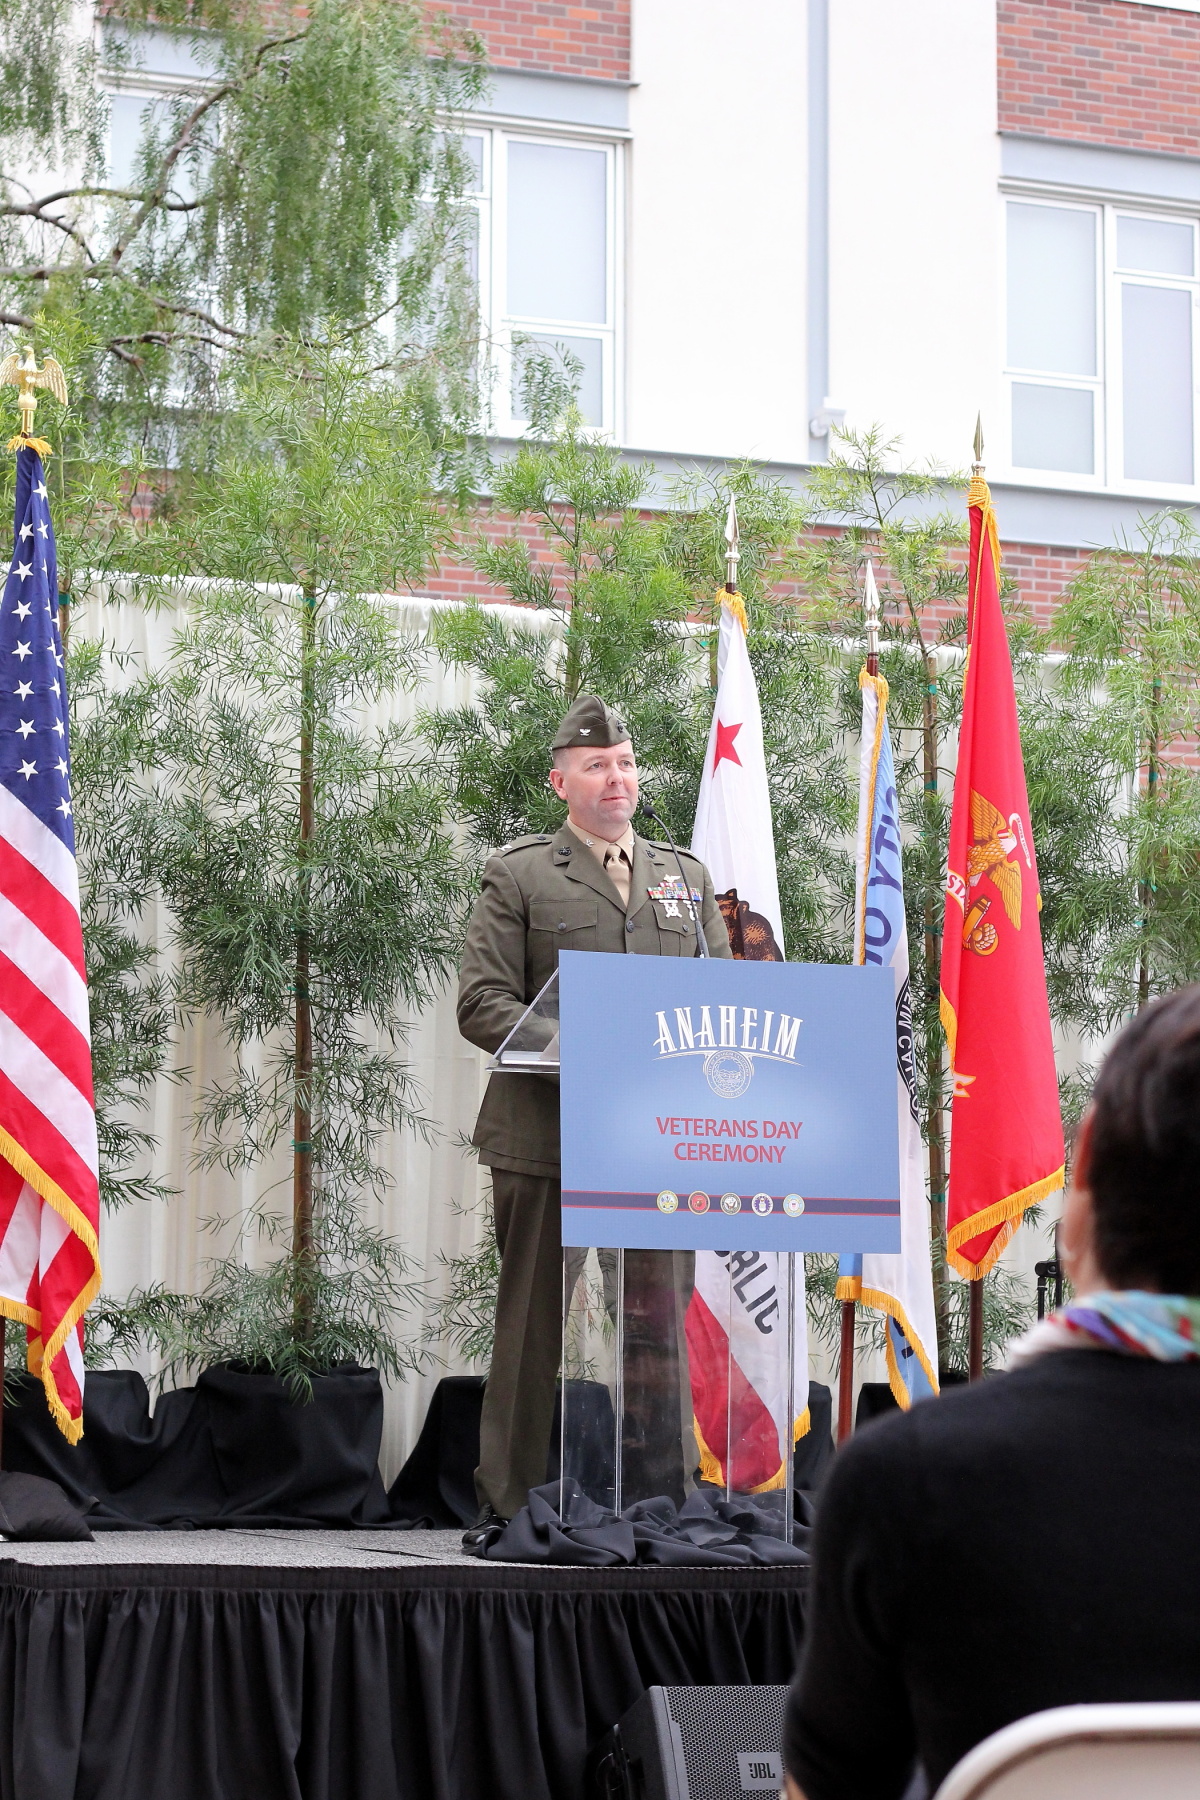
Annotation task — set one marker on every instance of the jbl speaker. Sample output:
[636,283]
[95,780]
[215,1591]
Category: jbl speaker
[693,1743]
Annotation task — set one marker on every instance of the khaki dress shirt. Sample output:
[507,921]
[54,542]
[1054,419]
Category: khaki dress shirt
[616,859]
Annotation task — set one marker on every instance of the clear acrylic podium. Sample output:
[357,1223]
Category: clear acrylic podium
[678,1367]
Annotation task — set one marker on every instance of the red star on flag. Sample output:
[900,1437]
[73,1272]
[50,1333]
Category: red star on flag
[725,737]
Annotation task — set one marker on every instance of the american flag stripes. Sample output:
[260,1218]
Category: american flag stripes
[49,1191]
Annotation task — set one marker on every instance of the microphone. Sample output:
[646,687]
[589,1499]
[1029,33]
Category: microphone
[646,808]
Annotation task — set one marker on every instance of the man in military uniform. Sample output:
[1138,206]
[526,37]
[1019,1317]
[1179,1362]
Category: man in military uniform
[594,885]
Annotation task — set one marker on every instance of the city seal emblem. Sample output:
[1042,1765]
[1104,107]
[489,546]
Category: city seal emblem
[728,1073]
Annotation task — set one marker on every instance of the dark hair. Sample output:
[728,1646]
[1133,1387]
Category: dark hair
[1144,1166]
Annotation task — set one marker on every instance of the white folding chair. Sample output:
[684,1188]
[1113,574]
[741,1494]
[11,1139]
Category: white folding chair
[1148,1751]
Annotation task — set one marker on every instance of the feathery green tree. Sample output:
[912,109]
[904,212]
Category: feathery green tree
[304,853]
[1115,795]
[289,236]
[304,173]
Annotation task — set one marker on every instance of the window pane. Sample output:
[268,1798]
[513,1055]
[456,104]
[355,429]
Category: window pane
[1156,341]
[589,351]
[1155,244]
[557,218]
[129,116]
[1051,289]
[1052,428]
[473,150]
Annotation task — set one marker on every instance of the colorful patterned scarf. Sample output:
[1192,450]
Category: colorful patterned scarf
[1163,1326]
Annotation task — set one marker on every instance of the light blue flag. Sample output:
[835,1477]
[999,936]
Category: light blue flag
[900,1287]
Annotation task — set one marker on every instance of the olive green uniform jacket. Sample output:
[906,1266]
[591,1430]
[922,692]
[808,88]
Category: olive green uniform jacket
[542,895]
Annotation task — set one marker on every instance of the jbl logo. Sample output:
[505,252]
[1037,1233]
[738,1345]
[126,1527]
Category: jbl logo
[759,1770]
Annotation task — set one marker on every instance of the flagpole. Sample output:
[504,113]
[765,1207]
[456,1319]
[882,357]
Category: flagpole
[732,553]
[849,1307]
[976,1314]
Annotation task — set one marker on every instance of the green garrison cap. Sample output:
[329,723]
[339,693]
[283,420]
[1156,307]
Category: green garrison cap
[590,723]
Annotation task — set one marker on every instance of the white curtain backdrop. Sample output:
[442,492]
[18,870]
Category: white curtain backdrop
[434,1203]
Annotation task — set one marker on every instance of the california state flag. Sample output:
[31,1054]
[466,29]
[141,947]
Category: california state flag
[1006,1140]
[738,1316]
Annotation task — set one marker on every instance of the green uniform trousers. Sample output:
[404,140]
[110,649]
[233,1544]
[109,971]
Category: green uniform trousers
[658,1447]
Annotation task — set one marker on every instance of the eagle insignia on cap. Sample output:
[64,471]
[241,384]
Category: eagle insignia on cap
[590,719]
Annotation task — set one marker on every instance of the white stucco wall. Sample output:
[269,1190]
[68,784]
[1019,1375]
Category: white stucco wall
[716,220]
[716,232]
[915,301]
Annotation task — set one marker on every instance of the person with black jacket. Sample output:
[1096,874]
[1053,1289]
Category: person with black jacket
[1032,1541]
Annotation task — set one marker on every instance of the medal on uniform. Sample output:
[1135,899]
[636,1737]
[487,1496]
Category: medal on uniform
[670,893]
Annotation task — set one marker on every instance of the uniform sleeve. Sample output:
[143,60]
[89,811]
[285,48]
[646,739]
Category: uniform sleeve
[491,985]
[715,930]
[849,1732]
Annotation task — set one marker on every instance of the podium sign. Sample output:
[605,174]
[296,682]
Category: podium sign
[714,1105]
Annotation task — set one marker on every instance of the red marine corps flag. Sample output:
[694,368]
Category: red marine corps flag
[1006,1141]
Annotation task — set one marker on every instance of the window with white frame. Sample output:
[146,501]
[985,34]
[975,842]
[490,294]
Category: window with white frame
[546,263]
[1101,352]
[145,70]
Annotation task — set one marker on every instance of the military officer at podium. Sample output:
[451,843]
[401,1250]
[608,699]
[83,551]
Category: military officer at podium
[593,885]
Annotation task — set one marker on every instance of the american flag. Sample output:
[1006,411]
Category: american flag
[49,1190]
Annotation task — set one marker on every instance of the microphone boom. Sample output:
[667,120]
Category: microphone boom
[646,808]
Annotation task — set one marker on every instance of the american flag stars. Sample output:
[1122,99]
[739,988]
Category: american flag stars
[33,722]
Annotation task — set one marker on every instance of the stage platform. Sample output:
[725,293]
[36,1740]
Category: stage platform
[348,1665]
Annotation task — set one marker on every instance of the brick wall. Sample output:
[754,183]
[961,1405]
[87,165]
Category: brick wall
[1041,572]
[1100,71]
[558,37]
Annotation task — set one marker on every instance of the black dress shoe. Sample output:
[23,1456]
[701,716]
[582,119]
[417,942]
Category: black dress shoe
[487,1527]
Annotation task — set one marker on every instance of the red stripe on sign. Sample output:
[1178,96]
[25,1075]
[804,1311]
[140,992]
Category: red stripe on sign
[41,903]
[44,1025]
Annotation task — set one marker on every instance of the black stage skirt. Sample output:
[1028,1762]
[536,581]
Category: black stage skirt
[443,1682]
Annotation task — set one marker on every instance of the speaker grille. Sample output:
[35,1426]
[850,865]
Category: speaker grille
[720,1724]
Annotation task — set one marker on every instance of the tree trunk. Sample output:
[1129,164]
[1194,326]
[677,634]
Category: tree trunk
[303,1252]
[1146,886]
[935,1123]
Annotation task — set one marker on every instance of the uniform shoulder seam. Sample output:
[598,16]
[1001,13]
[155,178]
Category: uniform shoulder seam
[680,849]
[523,843]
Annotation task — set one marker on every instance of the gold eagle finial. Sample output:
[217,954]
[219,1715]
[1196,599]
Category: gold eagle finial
[25,376]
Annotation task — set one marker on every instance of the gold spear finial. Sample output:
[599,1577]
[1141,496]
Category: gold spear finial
[871,610]
[25,376]
[732,553]
[979,443]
